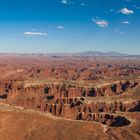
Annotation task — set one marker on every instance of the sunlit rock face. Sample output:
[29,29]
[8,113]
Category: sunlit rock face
[73,102]
[100,90]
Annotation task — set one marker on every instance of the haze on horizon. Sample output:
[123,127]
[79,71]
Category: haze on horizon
[51,26]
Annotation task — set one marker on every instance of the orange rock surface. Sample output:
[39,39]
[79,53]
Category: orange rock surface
[89,98]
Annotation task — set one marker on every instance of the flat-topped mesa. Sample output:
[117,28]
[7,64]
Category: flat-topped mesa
[73,91]
[71,102]
[52,92]
[64,93]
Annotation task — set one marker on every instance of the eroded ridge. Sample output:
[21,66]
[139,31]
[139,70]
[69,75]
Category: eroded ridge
[87,89]
[101,104]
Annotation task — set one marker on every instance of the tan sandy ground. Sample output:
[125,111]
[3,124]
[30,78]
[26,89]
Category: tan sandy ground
[19,124]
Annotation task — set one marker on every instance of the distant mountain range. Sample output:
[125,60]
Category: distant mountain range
[78,54]
[92,53]
[98,53]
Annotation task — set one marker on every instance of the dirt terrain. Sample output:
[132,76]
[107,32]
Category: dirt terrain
[55,98]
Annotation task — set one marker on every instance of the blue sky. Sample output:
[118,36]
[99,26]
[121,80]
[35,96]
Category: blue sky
[51,26]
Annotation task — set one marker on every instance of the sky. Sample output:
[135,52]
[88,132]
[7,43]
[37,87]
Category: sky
[52,26]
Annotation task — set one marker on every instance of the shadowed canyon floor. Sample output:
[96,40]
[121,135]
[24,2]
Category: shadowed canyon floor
[55,98]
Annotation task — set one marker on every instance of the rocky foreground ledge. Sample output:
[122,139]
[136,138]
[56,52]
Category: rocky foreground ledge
[19,123]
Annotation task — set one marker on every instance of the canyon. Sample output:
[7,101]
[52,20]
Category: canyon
[86,97]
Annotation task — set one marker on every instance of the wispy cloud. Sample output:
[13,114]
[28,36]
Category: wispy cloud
[126,11]
[118,31]
[125,22]
[35,34]
[110,11]
[100,23]
[82,4]
[60,27]
[64,1]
